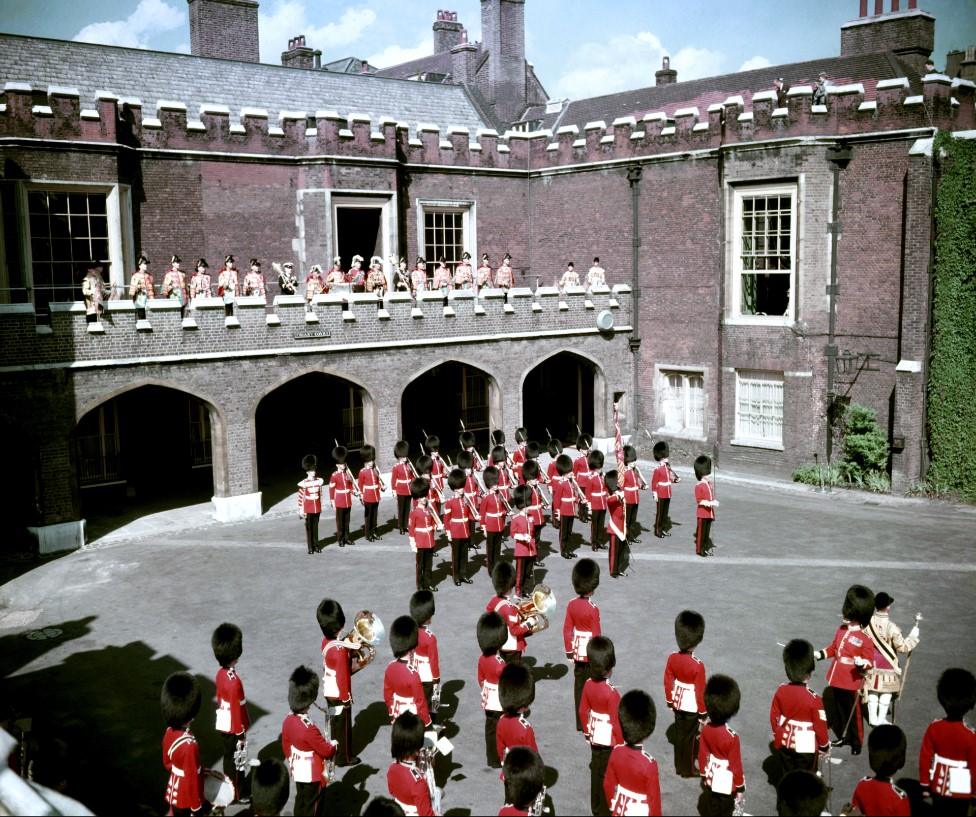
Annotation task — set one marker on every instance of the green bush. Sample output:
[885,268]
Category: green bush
[817,475]
[865,445]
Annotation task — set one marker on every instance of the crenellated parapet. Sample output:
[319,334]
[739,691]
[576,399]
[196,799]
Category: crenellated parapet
[56,113]
[290,326]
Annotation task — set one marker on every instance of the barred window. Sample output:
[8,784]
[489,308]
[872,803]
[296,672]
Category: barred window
[443,236]
[474,399]
[352,419]
[99,450]
[759,408]
[201,449]
[764,262]
[683,403]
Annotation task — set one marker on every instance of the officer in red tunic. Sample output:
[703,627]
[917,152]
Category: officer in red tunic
[632,483]
[472,488]
[232,721]
[523,534]
[494,508]
[662,478]
[406,781]
[616,526]
[565,503]
[310,501]
[254,280]
[598,710]
[439,468]
[180,703]
[720,751]
[457,520]
[632,784]
[555,448]
[947,759]
[340,661]
[342,488]
[422,531]
[305,749]
[492,635]
[469,445]
[536,508]
[684,689]
[516,692]
[483,275]
[582,622]
[402,689]
[581,463]
[425,471]
[371,488]
[518,455]
[878,795]
[402,475]
[591,481]
[426,655]
[524,775]
[498,440]
[705,505]
[503,581]
[506,479]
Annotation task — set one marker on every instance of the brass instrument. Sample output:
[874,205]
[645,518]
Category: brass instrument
[538,807]
[366,633]
[425,764]
[534,611]
[330,762]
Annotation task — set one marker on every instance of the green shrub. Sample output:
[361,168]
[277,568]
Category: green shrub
[877,482]
[817,475]
[865,445]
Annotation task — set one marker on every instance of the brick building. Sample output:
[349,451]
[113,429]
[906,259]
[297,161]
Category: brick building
[762,258]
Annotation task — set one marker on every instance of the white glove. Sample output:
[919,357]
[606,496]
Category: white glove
[859,662]
[820,655]
[914,632]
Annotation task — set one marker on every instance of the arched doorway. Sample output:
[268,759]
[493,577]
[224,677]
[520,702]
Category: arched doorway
[144,451]
[443,397]
[306,416]
[558,396]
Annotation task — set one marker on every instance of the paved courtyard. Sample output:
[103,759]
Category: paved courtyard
[125,613]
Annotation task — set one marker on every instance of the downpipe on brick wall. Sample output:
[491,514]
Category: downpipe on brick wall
[634,175]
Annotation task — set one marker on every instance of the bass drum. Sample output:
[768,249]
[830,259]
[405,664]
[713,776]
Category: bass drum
[218,789]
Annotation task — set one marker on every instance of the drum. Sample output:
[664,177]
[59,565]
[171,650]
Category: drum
[218,788]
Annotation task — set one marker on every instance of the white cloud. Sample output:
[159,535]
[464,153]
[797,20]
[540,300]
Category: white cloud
[149,18]
[753,63]
[290,18]
[629,61]
[182,48]
[396,54]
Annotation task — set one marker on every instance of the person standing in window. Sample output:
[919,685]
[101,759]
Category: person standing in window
[356,278]
[442,276]
[570,277]
[376,278]
[483,278]
[464,269]
[418,278]
[94,290]
[402,276]
[314,285]
[141,287]
[504,276]
[335,275]
[227,284]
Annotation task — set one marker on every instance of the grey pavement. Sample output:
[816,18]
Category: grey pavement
[137,606]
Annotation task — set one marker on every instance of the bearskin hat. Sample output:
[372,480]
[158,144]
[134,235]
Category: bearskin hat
[376,261]
[800,792]
[465,256]
[498,437]
[610,480]
[858,605]
[401,449]
[403,636]
[499,454]
[425,464]
[530,469]
[689,629]
[467,439]
[490,476]
[722,699]
[433,442]
[564,465]
[180,699]
[465,459]
[407,737]
[630,454]
[661,450]
[638,716]
[586,577]
[601,655]
[254,262]
[521,496]
[492,633]
[330,617]
[882,601]
[595,460]
[516,688]
[524,774]
[886,749]
[555,447]
[798,660]
[420,260]
[269,787]
[368,453]
[956,691]
[419,488]
[532,450]
[339,454]
[142,259]
[521,435]
[303,689]
[228,644]
[309,462]
[703,466]
[422,607]
[456,480]
[583,441]
[503,577]
[229,259]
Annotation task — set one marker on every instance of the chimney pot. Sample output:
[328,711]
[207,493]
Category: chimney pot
[894,5]
[864,8]
[878,7]
[912,4]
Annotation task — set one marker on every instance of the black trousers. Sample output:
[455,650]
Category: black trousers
[844,720]
[341,727]
[524,575]
[513,657]
[951,806]
[491,744]
[242,784]
[369,518]
[711,804]
[703,537]
[403,512]
[565,532]
[312,531]
[581,672]
[425,563]
[597,528]
[459,558]
[342,524]
[305,803]
[631,521]
[662,522]
[493,545]
[599,758]
[685,740]
[228,309]
[786,761]
[619,555]
[537,534]
[428,687]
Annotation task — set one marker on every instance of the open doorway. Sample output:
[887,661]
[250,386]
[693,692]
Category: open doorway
[358,233]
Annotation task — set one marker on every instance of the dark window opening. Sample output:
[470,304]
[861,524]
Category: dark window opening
[558,397]
[765,294]
[358,233]
[441,399]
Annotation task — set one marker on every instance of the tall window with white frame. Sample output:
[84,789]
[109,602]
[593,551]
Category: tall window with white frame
[764,261]
[683,403]
[443,235]
[67,228]
[759,409]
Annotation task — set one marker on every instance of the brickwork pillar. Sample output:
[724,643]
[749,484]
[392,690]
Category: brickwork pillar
[58,504]
[235,469]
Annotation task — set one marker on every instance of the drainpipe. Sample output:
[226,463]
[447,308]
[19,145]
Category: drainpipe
[634,178]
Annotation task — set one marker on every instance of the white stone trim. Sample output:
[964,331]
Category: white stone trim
[284,116]
[17,86]
[459,130]
[692,111]
[581,143]
[764,96]
[359,117]
[254,113]
[237,508]
[151,122]
[668,131]
[606,140]
[801,90]
[344,133]
[170,105]
[571,130]
[238,129]
[657,116]
[621,121]
[214,109]
[914,100]
[275,131]
[699,127]
[745,116]
[910,366]
[487,132]
[428,127]
[868,105]
[42,110]
[818,109]
[599,124]
[735,99]
[852,88]
[64,90]
[895,82]
[196,125]
[445,144]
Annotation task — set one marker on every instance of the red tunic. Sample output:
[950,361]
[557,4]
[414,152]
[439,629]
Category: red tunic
[947,745]
[551,471]
[595,489]
[408,786]
[403,692]
[369,484]
[305,749]
[514,730]
[421,529]
[337,670]
[631,486]
[661,480]
[518,460]
[508,810]
[797,709]
[874,796]
[523,534]
[563,497]
[599,713]
[684,683]
[537,514]
[493,513]
[582,623]
[850,642]
[632,785]
[340,489]
[401,477]
[719,751]
[310,495]
[181,757]
[581,465]
[615,517]
[517,631]
[232,716]
[703,492]
[456,518]
[489,673]
[426,658]
[473,491]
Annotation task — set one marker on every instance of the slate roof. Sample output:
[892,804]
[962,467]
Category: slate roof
[431,64]
[154,75]
[865,68]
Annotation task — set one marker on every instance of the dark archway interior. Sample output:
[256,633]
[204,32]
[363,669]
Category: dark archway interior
[305,416]
[558,395]
[358,231]
[439,400]
[19,486]
[145,451]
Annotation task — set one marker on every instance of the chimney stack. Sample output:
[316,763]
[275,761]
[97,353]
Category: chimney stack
[666,75]
[298,54]
[226,29]
[908,33]
[447,31]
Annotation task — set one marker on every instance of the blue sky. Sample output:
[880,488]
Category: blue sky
[579,47]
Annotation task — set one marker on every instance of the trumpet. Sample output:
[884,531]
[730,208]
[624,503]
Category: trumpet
[425,764]
[366,633]
[535,610]
[330,762]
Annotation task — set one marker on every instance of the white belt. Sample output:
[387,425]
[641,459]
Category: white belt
[938,760]
[495,514]
[422,530]
[177,771]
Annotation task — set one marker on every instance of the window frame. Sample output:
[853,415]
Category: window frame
[662,373]
[106,418]
[469,233]
[739,192]
[750,376]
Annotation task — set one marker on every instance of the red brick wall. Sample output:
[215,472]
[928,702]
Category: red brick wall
[227,29]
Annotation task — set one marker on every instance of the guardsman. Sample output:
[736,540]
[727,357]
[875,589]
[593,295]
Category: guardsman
[438,472]
[616,526]
[141,287]
[314,284]
[457,520]
[536,508]
[371,489]
[662,477]
[632,784]
[492,635]
[523,534]
[720,751]
[174,283]
[504,276]
[555,448]
[884,680]
[442,276]
[355,277]
[406,780]
[426,656]
[797,716]
[425,470]
[335,276]
[376,278]
[945,762]
[516,691]
[524,776]
[305,748]
[340,661]
[200,282]
[232,721]
[254,280]
[598,711]
[596,495]
[705,505]
[500,460]
[468,443]
[494,508]
[582,623]
[498,440]
[422,531]
[402,689]
[684,689]
[565,503]
[401,476]
[227,284]
[483,278]
[503,580]
[418,277]
[310,501]
[342,488]
[632,483]
[518,455]
[180,703]
[581,463]
[597,276]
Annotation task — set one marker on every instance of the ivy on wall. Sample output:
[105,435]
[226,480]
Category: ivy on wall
[952,371]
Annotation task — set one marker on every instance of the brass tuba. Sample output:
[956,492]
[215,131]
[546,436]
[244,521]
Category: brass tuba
[366,634]
[535,610]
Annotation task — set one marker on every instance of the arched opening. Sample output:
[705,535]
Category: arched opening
[145,451]
[306,416]
[442,398]
[558,397]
